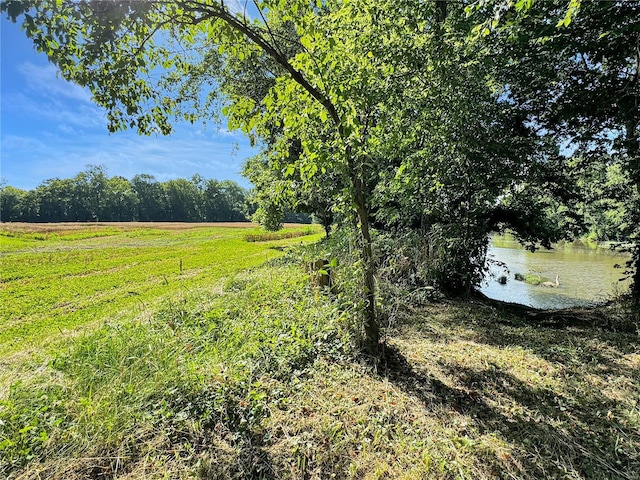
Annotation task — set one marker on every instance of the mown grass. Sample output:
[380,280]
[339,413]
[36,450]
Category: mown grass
[254,375]
[74,277]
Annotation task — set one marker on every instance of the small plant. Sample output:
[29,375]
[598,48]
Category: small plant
[529,278]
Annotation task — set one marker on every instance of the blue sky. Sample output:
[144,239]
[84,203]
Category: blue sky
[50,128]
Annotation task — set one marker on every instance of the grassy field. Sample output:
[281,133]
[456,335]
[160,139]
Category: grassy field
[57,277]
[225,363]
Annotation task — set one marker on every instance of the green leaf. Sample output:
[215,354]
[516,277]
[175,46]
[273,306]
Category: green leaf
[305,41]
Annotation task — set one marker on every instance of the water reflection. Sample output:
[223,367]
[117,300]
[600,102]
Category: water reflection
[586,276]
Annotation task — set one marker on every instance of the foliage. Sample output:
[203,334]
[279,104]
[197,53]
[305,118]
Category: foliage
[574,73]
[93,196]
[605,190]
[224,201]
[10,203]
[279,191]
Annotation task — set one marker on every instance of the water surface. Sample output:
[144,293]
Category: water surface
[586,276]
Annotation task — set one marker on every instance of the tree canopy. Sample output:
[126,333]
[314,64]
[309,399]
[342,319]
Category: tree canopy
[94,196]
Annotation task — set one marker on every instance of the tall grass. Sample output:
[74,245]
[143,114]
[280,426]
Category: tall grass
[202,363]
[263,236]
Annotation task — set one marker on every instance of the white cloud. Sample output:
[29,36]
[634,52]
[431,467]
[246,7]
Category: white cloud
[54,110]
[67,130]
[225,132]
[52,129]
[126,154]
[46,81]
[236,6]
[240,6]
[17,142]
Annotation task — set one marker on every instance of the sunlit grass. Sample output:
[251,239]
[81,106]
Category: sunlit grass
[203,360]
[81,276]
[223,371]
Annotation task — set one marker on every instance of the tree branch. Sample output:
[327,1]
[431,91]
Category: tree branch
[221,12]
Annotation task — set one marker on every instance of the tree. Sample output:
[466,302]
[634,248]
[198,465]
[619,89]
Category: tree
[89,192]
[235,196]
[110,48]
[357,93]
[575,73]
[11,200]
[152,201]
[604,191]
[184,201]
[223,201]
[280,191]
[30,207]
[121,201]
[54,198]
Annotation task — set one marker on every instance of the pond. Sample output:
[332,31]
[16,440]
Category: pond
[586,276]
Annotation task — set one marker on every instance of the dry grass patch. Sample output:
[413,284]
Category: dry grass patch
[62,227]
[263,236]
[563,403]
[345,422]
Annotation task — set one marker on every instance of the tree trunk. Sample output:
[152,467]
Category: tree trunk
[632,144]
[635,287]
[371,327]
[327,221]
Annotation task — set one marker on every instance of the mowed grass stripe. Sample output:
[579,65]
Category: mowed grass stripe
[46,291]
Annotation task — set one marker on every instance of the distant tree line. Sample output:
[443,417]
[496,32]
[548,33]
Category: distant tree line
[94,196]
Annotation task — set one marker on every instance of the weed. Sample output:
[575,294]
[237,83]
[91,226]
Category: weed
[530,278]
